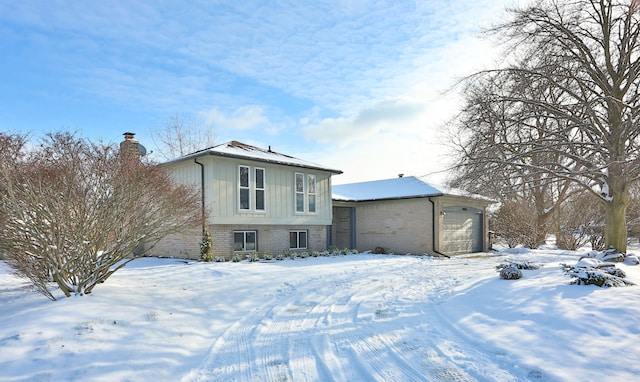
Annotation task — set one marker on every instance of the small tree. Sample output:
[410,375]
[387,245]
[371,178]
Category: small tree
[75,212]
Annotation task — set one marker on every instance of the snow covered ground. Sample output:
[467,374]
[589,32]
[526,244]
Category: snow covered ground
[349,318]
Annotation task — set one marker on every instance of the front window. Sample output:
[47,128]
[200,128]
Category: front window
[260,190]
[245,189]
[311,190]
[244,241]
[298,239]
[299,192]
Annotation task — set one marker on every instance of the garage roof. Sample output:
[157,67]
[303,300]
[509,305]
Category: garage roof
[396,188]
[408,187]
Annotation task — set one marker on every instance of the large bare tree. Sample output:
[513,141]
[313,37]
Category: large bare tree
[75,212]
[180,136]
[574,79]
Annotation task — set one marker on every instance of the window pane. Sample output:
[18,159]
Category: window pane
[312,203]
[244,176]
[259,178]
[302,242]
[251,241]
[238,241]
[299,182]
[311,184]
[293,240]
[244,199]
[299,202]
[260,200]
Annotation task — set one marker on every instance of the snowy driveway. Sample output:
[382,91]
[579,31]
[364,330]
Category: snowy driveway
[348,318]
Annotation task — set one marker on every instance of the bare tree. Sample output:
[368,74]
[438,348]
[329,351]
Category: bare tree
[76,212]
[584,54]
[181,136]
[498,139]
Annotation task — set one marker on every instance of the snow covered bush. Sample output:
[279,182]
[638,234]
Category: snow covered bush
[253,257]
[236,258]
[520,264]
[602,277]
[74,212]
[510,272]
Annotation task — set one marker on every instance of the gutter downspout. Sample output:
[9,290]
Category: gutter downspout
[204,228]
[433,229]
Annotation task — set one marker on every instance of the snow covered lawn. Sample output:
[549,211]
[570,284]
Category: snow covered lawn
[349,318]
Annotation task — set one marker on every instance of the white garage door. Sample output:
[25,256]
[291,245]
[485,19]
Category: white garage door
[461,230]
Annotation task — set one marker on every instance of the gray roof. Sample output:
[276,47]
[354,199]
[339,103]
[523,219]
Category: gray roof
[235,149]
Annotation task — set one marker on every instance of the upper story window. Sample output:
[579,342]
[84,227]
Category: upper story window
[299,186]
[305,190]
[260,189]
[245,188]
[251,183]
[311,191]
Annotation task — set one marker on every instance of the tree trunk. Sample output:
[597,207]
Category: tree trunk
[615,232]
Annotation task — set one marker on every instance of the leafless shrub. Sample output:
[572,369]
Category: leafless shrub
[75,212]
[580,220]
[515,223]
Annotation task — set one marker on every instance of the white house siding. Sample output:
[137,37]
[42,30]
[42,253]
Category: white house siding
[223,199]
[399,226]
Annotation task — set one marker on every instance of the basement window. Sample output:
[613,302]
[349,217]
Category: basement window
[245,241]
[298,239]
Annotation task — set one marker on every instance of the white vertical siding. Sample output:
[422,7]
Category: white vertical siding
[222,197]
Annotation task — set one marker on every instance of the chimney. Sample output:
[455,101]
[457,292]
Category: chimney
[129,147]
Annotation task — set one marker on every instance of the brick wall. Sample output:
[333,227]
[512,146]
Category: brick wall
[271,238]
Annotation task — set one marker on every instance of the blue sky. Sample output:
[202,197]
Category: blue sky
[351,84]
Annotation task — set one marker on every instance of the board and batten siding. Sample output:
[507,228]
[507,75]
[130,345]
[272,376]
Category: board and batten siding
[222,192]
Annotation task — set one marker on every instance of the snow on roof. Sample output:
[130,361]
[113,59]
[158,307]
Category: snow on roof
[235,149]
[395,188]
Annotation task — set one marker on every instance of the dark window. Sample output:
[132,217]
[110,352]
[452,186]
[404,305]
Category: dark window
[298,239]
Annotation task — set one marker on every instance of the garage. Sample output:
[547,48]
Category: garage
[407,215]
[461,230]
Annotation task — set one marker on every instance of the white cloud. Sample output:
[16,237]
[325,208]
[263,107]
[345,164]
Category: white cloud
[243,118]
[390,114]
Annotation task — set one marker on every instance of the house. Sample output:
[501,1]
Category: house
[256,200]
[406,215]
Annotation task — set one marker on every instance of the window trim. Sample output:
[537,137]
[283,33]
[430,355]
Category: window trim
[297,232]
[244,244]
[263,189]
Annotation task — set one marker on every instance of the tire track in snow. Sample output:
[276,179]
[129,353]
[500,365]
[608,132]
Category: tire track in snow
[349,327]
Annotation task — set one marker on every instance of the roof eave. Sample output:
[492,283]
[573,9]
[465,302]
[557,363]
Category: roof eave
[261,160]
